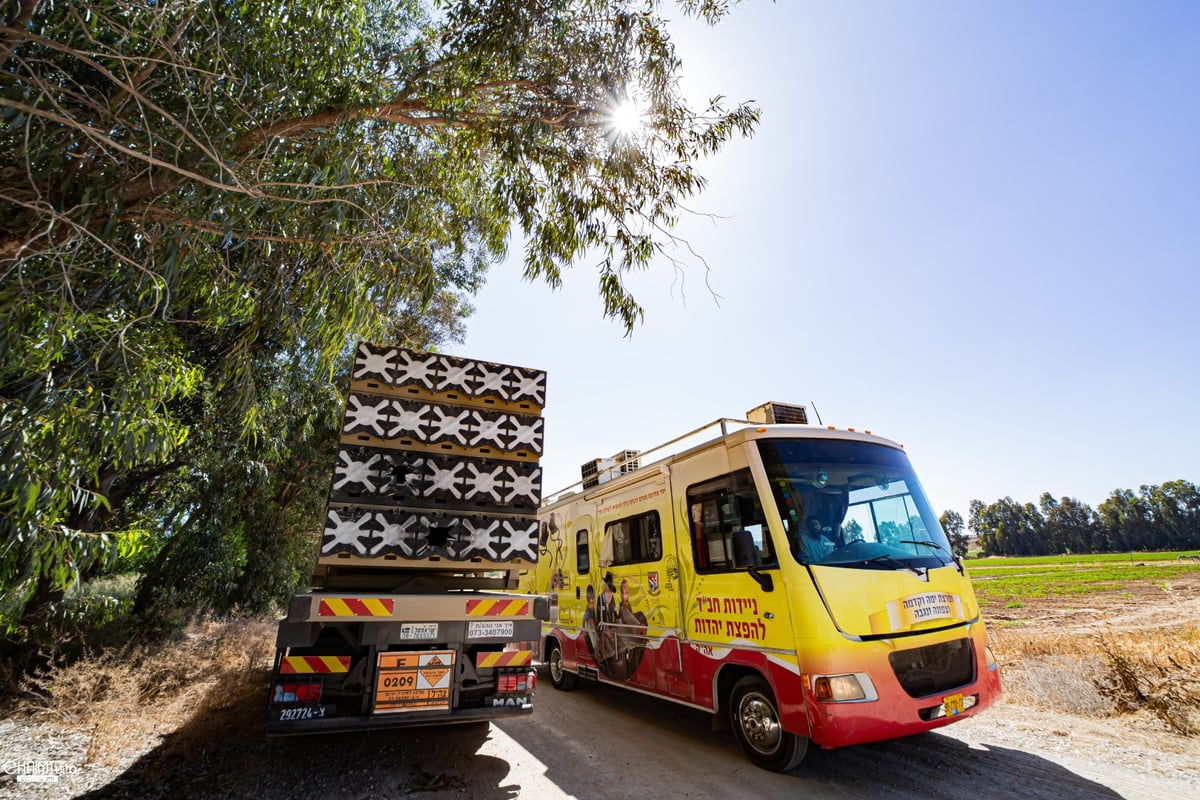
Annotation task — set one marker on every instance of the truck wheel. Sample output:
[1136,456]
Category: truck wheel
[754,717]
[559,677]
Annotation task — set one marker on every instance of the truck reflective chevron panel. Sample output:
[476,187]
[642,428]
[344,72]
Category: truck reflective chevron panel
[413,618]
[792,580]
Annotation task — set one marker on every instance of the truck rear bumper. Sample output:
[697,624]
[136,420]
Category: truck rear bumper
[381,721]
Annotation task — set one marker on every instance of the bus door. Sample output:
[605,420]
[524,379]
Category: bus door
[634,606]
[735,598]
[576,594]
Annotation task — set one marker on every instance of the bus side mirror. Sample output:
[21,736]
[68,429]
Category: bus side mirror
[763,578]
[746,555]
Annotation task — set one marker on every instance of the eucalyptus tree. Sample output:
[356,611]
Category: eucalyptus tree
[1175,506]
[952,523]
[1127,521]
[1069,525]
[1157,517]
[195,194]
[1006,527]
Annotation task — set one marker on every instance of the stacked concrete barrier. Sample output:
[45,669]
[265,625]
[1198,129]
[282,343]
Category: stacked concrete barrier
[438,462]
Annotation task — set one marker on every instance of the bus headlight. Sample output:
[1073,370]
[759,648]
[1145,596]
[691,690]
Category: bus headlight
[844,688]
[990,657]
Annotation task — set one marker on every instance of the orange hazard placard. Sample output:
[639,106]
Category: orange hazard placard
[413,680]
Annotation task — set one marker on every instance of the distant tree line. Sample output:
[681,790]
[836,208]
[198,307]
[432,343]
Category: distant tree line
[1165,517]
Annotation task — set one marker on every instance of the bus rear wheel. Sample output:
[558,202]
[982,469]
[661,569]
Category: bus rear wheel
[559,677]
[754,717]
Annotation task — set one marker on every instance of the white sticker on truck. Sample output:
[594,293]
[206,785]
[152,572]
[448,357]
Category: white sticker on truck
[418,630]
[487,630]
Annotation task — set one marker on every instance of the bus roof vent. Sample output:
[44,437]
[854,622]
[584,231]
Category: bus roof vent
[603,470]
[781,413]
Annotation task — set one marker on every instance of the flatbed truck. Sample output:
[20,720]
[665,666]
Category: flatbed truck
[413,617]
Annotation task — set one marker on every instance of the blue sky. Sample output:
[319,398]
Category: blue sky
[971,227]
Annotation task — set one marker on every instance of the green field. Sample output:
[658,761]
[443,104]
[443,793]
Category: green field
[1009,581]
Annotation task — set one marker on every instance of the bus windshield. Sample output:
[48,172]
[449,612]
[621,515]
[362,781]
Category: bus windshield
[852,504]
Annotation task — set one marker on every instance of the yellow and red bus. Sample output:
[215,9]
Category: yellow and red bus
[791,579]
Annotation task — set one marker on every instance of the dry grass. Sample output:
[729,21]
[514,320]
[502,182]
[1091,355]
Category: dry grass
[1107,673]
[128,697]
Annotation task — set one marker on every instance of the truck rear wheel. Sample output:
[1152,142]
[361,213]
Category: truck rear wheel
[754,716]
[559,677]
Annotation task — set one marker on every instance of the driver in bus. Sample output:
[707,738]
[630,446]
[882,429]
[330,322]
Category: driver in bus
[816,542]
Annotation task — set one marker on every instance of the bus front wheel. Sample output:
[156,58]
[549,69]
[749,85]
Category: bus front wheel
[559,677]
[754,717]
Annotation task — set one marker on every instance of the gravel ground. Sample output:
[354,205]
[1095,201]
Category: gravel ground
[568,749]
[1022,753]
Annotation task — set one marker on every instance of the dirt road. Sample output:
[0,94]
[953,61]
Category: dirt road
[600,742]
[635,747]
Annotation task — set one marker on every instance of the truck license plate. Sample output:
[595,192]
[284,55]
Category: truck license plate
[300,714]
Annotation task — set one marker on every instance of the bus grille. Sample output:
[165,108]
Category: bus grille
[937,668]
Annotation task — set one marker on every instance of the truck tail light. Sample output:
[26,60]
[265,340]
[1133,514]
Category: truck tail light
[284,692]
[519,681]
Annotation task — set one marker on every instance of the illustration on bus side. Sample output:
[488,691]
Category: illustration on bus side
[609,627]
[614,621]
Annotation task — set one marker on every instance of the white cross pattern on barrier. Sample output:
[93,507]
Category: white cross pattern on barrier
[527,434]
[359,414]
[394,534]
[450,425]
[345,532]
[355,472]
[523,541]
[479,538]
[457,376]
[482,482]
[523,486]
[493,382]
[406,421]
[531,386]
[444,479]
[490,429]
[372,363]
[414,369]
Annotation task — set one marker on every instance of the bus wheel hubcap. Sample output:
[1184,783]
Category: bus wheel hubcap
[759,723]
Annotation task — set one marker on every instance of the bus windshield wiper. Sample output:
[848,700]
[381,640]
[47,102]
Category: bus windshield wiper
[896,563]
[934,545]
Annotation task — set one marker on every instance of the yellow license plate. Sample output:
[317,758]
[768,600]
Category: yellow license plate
[952,705]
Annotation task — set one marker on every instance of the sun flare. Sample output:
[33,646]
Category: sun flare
[626,117]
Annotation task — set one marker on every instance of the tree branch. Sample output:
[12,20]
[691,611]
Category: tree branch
[17,29]
[90,132]
[216,228]
[125,95]
[416,113]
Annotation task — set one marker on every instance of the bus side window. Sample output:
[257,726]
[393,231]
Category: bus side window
[582,564]
[720,508]
[699,546]
[634,539]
